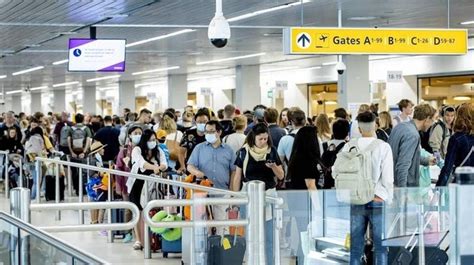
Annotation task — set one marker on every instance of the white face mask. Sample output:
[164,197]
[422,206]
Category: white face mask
[211,138]
[201,127]
[136,138]
[151,145]
[99,159]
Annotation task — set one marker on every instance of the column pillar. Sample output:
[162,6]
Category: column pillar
[247,85]
[59,100]
[353,85]
[36,102]
[16,103]
[177,91]
[89,99]
[126,96]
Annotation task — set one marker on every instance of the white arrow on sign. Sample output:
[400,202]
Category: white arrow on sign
[303,40]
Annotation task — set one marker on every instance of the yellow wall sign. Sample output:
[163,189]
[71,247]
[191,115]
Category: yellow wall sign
[374,41]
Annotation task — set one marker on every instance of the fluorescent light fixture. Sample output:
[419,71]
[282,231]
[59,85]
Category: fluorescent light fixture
[311,68]
[149,84]
[264,11]
[159,37]
[329,63]
[204,77]
[61,62]
[462,98]
[232,58]
[28,70]
[38,88]
[156,70]
[467,22]
[102,78]
[363,18]
[66,84]
[279,69]
[3,76]
[13,92]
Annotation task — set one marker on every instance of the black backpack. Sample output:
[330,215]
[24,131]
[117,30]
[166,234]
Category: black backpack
[425,136]
[327,161]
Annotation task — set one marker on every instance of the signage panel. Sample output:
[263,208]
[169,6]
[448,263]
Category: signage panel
[101,55]
[301,40]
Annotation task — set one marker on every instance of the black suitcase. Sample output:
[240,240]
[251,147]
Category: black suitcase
[118,216]
[214,250]
[218,255]
[50,193]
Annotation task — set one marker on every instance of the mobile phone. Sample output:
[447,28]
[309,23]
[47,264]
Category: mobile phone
[269,161]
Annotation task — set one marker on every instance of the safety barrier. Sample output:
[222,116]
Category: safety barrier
[5,154]
[254,196]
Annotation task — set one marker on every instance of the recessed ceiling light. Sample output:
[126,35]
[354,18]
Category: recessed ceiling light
[462,98]
[102,78]
[60,62]
[231,58]
[156,70]
[159,37]
[467,22]
[28,70]
[363,18]
[66,84]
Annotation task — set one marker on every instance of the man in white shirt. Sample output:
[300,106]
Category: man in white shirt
[382,173]
[406,111]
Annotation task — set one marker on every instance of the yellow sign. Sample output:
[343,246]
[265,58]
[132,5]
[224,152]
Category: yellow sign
[374,41]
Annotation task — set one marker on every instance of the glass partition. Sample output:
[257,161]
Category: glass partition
[21,243]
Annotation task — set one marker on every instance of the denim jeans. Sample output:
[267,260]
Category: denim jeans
[361,215]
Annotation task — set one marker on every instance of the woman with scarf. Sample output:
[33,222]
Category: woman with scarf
[258,160]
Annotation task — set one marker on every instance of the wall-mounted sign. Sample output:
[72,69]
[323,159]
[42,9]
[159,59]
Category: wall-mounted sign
[281,85]
[302,40]
[206,91]
[394,76]
[101,55]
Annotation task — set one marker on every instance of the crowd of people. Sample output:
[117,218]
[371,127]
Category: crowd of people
[284,149]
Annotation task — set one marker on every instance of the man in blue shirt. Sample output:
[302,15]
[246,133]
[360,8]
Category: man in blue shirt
[214,160]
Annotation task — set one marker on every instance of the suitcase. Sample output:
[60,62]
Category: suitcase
[50,183]
[118,216]
[176,245]
[218,253]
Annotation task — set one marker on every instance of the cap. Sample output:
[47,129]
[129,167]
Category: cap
[161,134]
[259,113]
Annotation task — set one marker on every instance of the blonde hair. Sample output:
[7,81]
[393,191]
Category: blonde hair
[168,124]
[363,108]
[24,124]
[385,120]
[322,123]
[239,122]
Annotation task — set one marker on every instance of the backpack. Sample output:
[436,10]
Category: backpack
[382,135]
[173,147]
[425,136]
[352,173]
[78,136]
[63,134]
[327,161]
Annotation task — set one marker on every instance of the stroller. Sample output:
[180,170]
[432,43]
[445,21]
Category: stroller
[16,170]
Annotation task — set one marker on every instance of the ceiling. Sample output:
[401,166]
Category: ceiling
[36,32]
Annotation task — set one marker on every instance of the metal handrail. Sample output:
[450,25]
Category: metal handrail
[90,206]
[53,241]
[7,180]
[194,202]
[155,178]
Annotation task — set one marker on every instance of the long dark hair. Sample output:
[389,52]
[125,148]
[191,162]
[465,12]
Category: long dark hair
[147,133]
[305,147]
[36,130]
[259,128]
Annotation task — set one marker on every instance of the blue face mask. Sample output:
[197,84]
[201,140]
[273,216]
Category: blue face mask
[211,138]
[136,138]
[201,127]
[151,145]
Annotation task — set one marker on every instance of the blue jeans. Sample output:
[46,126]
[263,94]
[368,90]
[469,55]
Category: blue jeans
[361,215]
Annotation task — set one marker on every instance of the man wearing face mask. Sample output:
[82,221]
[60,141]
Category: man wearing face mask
[193,137]
[214,160]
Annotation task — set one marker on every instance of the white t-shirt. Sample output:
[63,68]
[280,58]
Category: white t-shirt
[138,163]
[235,141]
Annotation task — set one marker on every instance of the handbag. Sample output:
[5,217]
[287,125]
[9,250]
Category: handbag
[173,147]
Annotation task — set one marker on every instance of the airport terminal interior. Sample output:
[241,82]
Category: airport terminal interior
[209,132]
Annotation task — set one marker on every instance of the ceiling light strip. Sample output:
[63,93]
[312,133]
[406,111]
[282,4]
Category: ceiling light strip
[102,78]
[28,70]
[3,76]
[264,11]
[61,62]
[13,92]
[231,58]
[156,70]
[66,84]
[38,88]
[159,37]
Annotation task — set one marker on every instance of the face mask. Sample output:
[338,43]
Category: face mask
[99,159]
[201,127]
[136,138]
[151,145]
[211,138]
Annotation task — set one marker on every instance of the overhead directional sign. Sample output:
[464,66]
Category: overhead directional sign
[374,41]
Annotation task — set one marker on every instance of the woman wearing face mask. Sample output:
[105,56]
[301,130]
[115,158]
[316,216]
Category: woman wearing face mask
[146,160]
[258,160]
[123,164]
